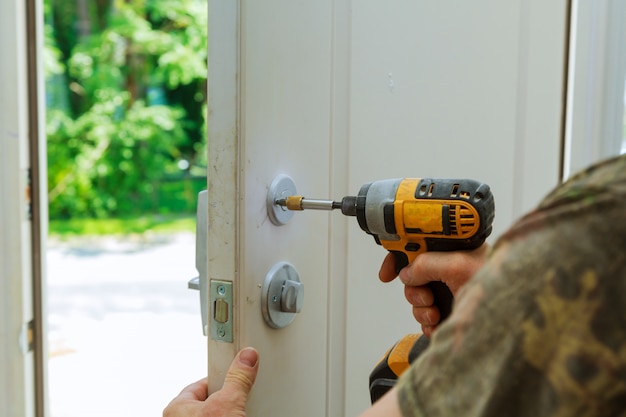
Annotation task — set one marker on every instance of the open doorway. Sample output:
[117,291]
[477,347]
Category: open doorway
[125,99]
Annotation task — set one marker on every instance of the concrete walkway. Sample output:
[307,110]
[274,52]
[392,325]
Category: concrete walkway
[124,331]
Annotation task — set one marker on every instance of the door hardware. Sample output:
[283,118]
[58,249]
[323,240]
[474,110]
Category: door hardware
[221,301]
[282,295]
[281,187]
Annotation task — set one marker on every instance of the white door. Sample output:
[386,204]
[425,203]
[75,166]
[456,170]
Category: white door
[336,94]
[22,214]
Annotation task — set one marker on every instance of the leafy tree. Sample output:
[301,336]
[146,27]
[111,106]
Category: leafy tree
[126,97]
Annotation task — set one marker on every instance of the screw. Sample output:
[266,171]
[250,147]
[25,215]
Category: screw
[221,332]
[221,290]
[275,299]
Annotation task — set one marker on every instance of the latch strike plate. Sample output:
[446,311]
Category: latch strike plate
[221,314]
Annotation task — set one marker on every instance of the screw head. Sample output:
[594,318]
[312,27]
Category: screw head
[221,290]
[221,332]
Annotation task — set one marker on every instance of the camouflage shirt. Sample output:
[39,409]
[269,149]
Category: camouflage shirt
[541,329]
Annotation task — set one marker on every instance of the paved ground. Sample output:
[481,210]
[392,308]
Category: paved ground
[124,330]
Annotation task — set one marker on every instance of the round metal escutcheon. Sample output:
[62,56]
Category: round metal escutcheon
[281,187]
[281,295]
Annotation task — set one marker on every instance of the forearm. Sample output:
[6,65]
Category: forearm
[387,406]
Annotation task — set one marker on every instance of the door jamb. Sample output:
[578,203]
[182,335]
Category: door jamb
[38,202]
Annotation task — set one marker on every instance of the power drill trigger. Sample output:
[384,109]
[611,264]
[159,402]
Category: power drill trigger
[402,260]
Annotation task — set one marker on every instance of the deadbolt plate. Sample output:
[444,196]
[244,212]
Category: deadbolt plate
[280,294]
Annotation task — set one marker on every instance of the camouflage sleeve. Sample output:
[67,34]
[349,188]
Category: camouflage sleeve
[541,329]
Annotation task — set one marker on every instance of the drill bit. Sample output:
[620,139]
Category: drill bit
[298,202]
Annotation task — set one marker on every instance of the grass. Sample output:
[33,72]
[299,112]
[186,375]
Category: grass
[122,226]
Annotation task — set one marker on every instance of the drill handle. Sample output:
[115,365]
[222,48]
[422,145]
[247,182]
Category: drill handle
[442,295]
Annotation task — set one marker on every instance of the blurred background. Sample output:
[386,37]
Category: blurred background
[126,138]
[126,106]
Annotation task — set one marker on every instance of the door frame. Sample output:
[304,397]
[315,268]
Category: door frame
[595,90]
[38,198]
[24,211]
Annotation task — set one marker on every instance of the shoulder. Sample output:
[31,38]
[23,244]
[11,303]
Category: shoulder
[590,202]
[605,179]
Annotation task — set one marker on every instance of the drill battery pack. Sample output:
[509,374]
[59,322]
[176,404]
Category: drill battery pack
[395,361]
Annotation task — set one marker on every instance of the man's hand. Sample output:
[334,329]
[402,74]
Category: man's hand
[230,401]
[452,268]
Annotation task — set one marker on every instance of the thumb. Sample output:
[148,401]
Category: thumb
[240,377]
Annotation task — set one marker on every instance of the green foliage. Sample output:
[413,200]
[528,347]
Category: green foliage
[126,99]
[124,226]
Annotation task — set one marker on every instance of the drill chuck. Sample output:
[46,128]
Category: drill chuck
[348,205]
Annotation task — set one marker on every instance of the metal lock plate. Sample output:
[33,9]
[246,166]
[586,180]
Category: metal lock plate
[282,187]
[282,295]
[221,301]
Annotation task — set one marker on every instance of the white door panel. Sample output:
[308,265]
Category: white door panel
[285,123]
[339,93]
[445,91]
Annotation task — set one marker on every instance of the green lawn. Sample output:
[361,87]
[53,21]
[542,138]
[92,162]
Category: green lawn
[123,226]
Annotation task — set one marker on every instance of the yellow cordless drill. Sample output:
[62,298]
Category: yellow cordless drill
[408,216]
